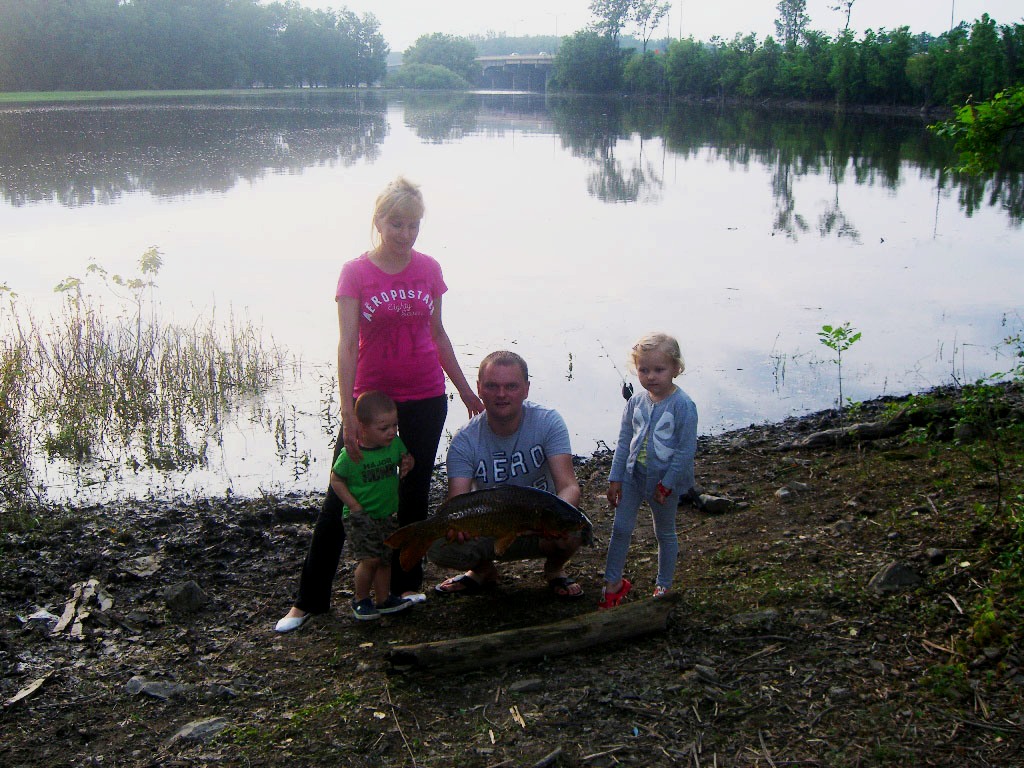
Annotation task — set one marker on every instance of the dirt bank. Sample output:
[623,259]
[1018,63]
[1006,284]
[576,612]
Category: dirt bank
[778,653]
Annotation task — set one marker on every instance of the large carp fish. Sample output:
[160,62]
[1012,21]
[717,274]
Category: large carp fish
[502,513]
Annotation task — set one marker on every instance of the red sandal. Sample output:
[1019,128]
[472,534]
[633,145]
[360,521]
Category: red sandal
[612,599]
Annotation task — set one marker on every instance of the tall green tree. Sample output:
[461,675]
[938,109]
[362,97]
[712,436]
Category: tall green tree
[611,16]
[693,68]
[844,7]
[843,76]
[792,21]
[980,68]
[457,54]
[646,15]
[644,73]
[588,62]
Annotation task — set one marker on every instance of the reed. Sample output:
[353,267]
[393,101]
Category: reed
[109,378]
[14,444]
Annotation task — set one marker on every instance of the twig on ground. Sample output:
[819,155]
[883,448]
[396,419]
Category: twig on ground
[767,754]
[394,714]
[548,760]
[595,755]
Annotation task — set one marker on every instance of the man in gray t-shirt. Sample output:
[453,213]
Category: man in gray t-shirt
[513,442]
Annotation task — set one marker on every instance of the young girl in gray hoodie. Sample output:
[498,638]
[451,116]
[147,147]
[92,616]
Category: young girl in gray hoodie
[653,462]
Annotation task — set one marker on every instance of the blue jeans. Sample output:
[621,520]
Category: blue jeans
[636,489]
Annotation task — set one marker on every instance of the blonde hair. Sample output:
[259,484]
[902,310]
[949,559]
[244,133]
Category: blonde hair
[657,342]
[400,195]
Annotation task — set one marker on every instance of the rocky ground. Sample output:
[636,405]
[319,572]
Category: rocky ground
[141,634]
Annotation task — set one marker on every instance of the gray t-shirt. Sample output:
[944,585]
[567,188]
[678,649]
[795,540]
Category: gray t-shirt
[519,459]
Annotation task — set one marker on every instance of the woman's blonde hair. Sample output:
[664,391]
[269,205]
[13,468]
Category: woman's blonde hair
[657,342]
[400,195]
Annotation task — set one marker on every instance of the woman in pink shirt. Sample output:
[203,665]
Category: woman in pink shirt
[392,339]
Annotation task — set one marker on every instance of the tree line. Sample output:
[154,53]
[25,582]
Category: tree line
[883,67]
[194,44]
[52,45]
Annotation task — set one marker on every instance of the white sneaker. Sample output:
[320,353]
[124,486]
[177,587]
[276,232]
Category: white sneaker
[291,623]
[416,598]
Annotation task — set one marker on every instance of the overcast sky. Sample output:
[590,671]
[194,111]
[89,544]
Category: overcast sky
[403,21]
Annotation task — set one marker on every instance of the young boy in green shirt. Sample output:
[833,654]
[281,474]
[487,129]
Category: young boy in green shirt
[369,489]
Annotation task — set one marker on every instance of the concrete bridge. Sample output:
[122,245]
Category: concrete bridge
[516,72]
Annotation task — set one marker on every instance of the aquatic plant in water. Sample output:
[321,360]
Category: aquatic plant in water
[839,338]
[107,378]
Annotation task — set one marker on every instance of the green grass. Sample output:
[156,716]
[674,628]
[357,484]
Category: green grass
[38,97]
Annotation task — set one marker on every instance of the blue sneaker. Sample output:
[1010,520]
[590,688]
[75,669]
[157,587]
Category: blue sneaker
[393,604]
[364,610]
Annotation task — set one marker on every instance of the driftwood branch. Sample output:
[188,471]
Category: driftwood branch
[512,645]
[900,422]
[873,430]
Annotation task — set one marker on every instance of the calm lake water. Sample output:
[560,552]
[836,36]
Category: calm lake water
[566,228]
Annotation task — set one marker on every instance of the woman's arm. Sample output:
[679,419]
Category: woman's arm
[348,351]
[450,364]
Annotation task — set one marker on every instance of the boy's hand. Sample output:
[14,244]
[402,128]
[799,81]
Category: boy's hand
[408,462]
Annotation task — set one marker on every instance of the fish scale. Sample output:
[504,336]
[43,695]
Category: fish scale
[503,513]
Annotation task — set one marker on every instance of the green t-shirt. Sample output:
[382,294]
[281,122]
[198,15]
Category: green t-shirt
[374,480]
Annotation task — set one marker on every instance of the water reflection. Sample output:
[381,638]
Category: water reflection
[92,154]
[563,224]
[439,118]
[592,129]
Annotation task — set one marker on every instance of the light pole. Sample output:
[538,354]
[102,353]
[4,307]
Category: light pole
[556,15]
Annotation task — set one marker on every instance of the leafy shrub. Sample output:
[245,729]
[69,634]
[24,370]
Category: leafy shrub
[426,77]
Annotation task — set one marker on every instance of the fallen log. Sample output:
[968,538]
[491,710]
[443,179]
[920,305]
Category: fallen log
[874,430]
[508,646]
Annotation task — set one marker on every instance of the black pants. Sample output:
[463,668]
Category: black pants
[420,423]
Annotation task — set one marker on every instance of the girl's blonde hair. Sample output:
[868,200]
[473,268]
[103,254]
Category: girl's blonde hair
[400,195]
[657,342]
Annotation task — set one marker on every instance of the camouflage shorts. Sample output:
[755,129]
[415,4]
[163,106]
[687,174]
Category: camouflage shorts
[366,535]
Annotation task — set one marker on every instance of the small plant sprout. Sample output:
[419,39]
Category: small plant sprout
[839,338]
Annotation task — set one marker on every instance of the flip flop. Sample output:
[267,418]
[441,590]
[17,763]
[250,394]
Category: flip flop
[561,586]
[463,584]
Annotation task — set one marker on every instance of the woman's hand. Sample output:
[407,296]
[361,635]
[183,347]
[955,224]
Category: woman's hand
[474,405]
[350,436]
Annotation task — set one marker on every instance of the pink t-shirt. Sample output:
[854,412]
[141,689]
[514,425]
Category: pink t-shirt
[397,354]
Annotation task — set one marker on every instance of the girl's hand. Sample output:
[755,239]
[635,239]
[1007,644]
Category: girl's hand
[350,436]
[661,493]
[614,494]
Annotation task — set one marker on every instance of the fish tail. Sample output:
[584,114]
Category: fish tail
[504,542]
[412,547]
[413,553]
